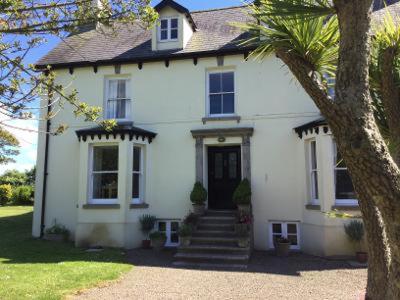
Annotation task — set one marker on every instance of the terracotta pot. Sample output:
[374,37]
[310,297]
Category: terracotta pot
[243,242]
[362,257]
[282,249]
[158,244]
[146,244]
[185,241]
[199,209]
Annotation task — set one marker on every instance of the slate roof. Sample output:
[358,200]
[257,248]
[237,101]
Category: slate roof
[132,42]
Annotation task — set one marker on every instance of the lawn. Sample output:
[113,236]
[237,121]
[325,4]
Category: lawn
[37,269]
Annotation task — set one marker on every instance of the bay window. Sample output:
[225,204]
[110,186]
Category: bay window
[221,93]
[118,101]
[344,190]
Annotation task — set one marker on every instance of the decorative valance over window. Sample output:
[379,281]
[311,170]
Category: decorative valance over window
[312,127]
[122,131]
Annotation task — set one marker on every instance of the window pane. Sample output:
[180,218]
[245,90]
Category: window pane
[121,109]
[292,239]
[105,158]
[135,186]
[174,226]
[229,104]
[313,155]
[164,24]
[314,182]
[228,82]
[215,83]
[164,34]
[232,165]
[174,238]
[136,159]
[344,185]
[112,89]
[162,226]
[218,166]
[277,228]
[174,23]
[174,33]
[121,89]
[292,228]
[105,186]
[215,104]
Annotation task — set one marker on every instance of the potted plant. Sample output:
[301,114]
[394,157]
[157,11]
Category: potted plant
[282,246]
[147,223]
[198,197]
[191,219]
[158,240]
[242,233]
[355,232]
[57,233]
[242,196]
[185,232]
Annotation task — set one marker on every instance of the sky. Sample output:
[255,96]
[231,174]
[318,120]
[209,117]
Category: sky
[28,138]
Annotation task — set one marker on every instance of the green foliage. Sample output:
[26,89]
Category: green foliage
[14,178]
[5,194]
[9,144]
[191,219]
[147,223]
[22,195]
[157,235]
[185,230]
[58,229]
[355,231]
[30,176]
[242,194]
[199,194]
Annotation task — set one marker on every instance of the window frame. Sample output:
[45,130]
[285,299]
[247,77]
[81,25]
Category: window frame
[128,98]
[168,231]
[341,202]
[208,94]
[141,173]
[169,29]
[314,193]
[90,198]
[284,227]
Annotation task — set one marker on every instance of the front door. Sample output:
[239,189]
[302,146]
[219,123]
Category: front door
[224,175]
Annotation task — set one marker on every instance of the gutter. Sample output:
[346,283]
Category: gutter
[45,173]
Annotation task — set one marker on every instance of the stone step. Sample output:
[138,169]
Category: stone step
[217,220]
[213,249]
[184,264]
[216,227]
[221,213]
[208,257]
[214,233]
[222,241]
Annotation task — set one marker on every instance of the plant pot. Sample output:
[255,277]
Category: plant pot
[185,241]
[158,244]
[243,242]
[199,209]
[239,228]
[146,244]
[244,208]
[362,257]
[55,237]
[282,249]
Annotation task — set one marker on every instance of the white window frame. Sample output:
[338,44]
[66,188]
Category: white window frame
[313,199]
[284,233]
[169,29]
[128,98]
[168,231]
[341,202]
[141,173]
[92,200]
[208,106]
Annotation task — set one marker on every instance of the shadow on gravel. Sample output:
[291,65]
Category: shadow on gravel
[260,262]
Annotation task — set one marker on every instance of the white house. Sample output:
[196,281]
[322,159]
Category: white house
[190,107]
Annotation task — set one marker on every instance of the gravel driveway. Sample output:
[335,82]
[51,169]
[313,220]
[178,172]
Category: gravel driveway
[268,277]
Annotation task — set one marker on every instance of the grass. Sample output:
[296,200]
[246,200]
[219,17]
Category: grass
[36,269]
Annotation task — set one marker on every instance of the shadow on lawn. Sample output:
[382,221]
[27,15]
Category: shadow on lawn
[17,246]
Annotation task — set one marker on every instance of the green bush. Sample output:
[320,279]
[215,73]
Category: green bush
[242,194]
[355,231]
[147,223]
[157,235]
[185,230]
[22,195]
[199,194]
[58,229]
[5,194]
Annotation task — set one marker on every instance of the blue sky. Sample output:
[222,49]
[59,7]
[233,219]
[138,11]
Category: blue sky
[28,140]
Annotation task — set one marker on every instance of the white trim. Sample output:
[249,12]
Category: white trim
[168,231]
[128,98]
[169,29]
[284,233]
[219,71]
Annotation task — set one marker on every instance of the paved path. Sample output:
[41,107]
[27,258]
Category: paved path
[268,277]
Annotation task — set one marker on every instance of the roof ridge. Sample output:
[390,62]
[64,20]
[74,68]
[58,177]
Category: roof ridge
[215,9]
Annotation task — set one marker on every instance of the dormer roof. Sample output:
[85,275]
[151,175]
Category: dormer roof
[179,8]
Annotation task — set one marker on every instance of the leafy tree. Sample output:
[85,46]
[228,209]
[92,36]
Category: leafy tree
[5,193]
[316,38]
[24,25]
[22,195]
[31,176]
[14,178]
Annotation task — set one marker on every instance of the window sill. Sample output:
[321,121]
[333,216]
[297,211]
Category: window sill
[313,206]
[139,206]
[221,118]
[101,206]
[346,207]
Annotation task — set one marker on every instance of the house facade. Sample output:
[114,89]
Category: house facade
[191,106]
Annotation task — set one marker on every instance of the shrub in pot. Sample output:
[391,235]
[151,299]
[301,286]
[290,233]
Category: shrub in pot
[242,196]
[185,233]
[198,197]
[158,240]
[242,233]
[191,219]
[57,233]
[282,246]
[355,232]
[147,223]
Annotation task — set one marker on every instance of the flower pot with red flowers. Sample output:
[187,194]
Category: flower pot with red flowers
[147,223]
[355,233]
[242,196]
[242,229]
[282,246]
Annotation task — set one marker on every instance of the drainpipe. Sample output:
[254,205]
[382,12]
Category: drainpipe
[46,153]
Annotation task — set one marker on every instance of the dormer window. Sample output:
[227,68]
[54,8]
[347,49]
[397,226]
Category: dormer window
[118,101]
[168,30]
